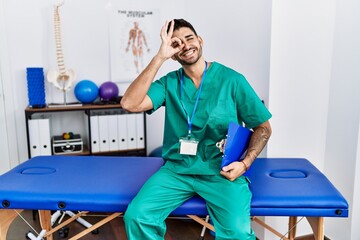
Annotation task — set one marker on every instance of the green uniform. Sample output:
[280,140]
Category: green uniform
[225,97]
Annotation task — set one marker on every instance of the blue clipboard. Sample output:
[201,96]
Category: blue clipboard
[237,142]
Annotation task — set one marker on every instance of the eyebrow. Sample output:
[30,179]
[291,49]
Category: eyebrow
[189,36]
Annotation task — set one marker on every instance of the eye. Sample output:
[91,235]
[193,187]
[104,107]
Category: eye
[190,38]
[175,44]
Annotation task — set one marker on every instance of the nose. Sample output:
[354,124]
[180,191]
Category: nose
[186,46]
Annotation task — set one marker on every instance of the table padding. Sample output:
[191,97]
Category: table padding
[280,186]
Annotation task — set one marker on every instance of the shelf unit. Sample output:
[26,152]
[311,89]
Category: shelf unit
[88,109]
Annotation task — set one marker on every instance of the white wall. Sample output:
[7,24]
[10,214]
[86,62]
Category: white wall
[344,114]
[301,53]
[8,142]
[355,230]
[4,148]
[314,95]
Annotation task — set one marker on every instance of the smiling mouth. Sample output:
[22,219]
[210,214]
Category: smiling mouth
[188,53]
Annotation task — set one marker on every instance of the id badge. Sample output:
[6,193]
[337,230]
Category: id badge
[188,146]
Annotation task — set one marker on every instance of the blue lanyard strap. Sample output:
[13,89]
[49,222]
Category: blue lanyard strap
[190,120]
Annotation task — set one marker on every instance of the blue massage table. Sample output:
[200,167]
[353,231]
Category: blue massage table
[289,187]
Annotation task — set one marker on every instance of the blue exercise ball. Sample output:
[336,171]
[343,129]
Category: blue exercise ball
[86,91]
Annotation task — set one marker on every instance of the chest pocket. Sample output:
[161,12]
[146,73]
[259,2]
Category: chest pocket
[224,111]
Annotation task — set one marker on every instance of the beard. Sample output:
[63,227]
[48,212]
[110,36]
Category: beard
[189,62]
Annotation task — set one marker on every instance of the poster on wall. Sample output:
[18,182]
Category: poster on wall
[133,41]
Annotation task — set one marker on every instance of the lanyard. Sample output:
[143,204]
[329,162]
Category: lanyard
[190,120]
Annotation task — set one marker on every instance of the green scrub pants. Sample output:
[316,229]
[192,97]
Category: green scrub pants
[228,204]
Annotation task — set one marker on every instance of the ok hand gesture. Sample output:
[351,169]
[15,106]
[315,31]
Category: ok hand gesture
[169,45]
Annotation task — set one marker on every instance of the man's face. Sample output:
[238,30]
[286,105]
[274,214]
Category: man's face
[192,50]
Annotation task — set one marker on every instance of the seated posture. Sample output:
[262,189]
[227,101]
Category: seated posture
[200,99]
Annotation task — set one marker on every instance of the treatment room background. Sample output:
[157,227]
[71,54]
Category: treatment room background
[301,56]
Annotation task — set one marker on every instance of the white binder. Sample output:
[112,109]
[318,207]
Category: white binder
[34,138]
[140,133]
[94,128]
[131,126]
[122,131]
[39,136]
[104,133]
[45,138]
[113,132]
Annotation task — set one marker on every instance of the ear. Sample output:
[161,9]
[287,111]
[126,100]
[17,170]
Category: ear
[201,41]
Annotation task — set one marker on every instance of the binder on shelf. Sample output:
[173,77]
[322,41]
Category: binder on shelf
[45,138]
[34,138]
[131,126]
[113,132]
[122,132]
[39,136]
[94,130]
[104,133]
[140,131]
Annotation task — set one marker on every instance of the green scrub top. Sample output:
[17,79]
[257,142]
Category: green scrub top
[226,97]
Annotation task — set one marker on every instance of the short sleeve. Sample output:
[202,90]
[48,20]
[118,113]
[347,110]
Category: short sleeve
[157,94]
[251,110]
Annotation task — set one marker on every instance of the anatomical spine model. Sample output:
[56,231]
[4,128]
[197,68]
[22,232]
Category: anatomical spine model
[61,78]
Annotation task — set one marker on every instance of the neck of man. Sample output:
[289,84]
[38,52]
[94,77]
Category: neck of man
[195,71]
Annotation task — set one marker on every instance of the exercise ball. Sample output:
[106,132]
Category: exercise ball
[108,90]
[86,91]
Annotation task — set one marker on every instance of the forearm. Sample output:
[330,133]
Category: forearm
[135,98]
[135,94]
[257,142]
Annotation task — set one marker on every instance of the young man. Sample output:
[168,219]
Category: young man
[200,100]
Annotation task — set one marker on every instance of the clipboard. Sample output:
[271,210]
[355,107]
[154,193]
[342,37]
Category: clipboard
[237,142]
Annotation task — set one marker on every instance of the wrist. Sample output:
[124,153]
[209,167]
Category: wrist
[158,58]
[246,166]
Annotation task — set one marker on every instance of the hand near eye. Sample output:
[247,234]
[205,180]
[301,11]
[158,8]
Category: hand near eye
[169,45]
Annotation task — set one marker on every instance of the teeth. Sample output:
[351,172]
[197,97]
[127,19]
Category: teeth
[188,53]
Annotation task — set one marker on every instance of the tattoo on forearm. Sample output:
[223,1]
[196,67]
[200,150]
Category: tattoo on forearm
[258,141]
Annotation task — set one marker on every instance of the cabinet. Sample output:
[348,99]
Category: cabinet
[110,130]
